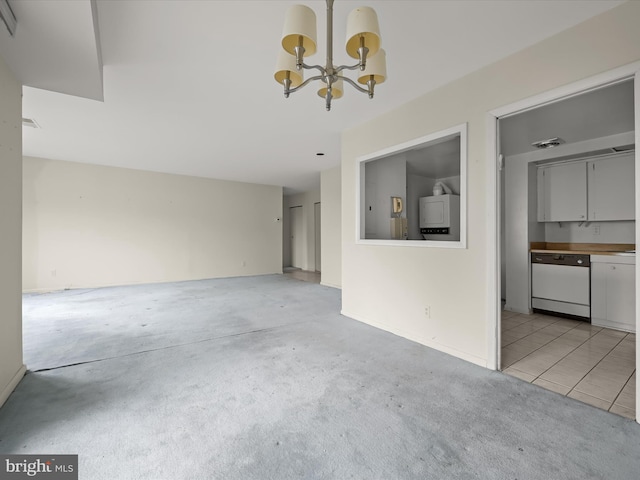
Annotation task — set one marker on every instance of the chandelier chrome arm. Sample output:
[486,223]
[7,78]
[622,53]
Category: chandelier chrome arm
[320,68]
[348,67]
[358,87]
[289,90]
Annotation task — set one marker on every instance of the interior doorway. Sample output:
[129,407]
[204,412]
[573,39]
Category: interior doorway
[317,218]
[514,245]
[297,236]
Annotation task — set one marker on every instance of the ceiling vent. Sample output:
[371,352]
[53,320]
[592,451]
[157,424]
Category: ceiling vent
[29,122]
[624,148]
[548,143]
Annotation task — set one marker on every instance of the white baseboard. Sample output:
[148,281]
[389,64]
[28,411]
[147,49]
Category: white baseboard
[12,384]
[482,362]
[526,311]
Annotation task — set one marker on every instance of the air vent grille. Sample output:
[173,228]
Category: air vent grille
[548,143]
[624,148]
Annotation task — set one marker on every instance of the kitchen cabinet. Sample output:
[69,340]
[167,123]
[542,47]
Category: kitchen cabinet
[562,192]
[611,184]
[602,189]
[613,292]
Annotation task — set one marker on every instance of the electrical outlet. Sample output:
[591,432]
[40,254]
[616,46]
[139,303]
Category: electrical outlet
[427,312]
[596,229]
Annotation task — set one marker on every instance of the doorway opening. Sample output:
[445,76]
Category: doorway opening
[297,236]
[317,220]
[596,123]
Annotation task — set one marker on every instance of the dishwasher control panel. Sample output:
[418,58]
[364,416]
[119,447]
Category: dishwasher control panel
[568,259]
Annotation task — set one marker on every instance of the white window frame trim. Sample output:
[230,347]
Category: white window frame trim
[400,148]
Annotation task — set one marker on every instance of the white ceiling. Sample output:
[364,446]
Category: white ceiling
[598,113]
[189,89]
[438,160]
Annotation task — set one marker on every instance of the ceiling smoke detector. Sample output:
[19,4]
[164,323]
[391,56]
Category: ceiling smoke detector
[29,122]
[548,143]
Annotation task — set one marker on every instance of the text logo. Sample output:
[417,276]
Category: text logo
[49,467]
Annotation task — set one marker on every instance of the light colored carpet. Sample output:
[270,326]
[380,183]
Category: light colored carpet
[261,378]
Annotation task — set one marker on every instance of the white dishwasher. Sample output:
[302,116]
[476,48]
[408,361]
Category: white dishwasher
[561,283]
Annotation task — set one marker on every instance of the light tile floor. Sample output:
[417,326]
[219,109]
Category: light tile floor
[592,364]
[305,276]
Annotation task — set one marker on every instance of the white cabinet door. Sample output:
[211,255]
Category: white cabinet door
[612,188]
[563,196]
[621,295]
[613,296]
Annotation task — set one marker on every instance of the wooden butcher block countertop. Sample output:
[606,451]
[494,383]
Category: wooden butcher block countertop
[583,248]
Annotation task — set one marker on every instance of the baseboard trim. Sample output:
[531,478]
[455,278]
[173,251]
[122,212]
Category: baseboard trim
[12,384]
[481,362]
[524,311]
[330,285]
[136,282]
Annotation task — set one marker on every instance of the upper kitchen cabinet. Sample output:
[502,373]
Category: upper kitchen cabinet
[601,189]
[611,188]
[562,192]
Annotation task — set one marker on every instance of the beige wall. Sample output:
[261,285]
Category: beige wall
[11,367]
[88,226]
[331,230]
[305,200]
[390,287]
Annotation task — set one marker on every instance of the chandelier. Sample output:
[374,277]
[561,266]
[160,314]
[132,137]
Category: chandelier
[299,41]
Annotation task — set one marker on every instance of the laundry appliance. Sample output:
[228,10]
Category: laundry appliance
[440,217]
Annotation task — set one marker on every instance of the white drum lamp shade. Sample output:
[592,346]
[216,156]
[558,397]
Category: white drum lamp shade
[336,90]
[287,63]
[376,66]
[300,21]
[362,22]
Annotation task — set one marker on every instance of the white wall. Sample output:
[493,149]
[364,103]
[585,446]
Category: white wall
[384,178]
[305,200]
[331,232]
[88,226]
[11,366]
[390,287]
[609,232]
[519,175]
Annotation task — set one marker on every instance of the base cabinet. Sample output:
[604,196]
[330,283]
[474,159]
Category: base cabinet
[613,292]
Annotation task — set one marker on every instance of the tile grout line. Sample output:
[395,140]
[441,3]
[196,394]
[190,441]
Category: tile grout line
[620,393]
[628,379]
[536,331]
[558,361]
[571,389]
[569,353]
[533,351]
[592,368]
